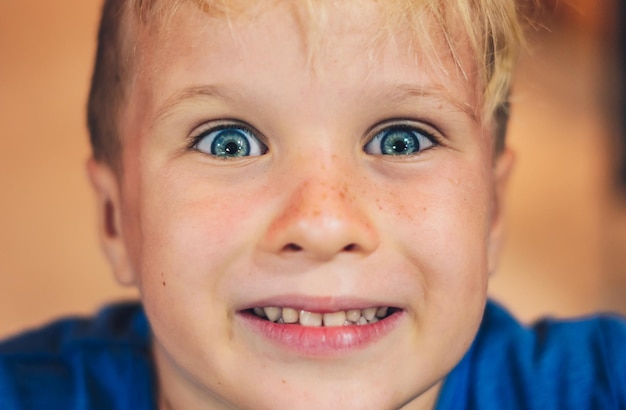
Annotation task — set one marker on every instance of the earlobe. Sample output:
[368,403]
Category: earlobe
[502,172]
[106,189]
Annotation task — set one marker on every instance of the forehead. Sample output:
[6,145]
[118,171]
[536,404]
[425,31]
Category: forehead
[339,45]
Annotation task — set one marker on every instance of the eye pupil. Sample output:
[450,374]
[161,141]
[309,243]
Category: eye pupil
[399,146]
[231,148]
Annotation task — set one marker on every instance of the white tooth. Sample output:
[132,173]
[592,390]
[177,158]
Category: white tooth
[310,319]
[369,313]
[361,321]
[334,319]
[381,312]
[259,312]
[353,315]
[272,313]
[374,320]
[290,315]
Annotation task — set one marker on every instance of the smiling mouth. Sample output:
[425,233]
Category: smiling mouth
[286,315]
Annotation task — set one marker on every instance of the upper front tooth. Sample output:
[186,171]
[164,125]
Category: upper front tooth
[290,315]
[334,319]
[306,318]
[273,313]
[353,315]
[310,319]
[369,313]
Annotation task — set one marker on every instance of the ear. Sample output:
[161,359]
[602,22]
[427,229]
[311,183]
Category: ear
[105,184]
[502,171]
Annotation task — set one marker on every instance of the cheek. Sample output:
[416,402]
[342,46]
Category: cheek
[194,241]
[193,230]
[441,220]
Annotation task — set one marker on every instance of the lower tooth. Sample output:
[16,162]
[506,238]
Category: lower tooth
[361,321]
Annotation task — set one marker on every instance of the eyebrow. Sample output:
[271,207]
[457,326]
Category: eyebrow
[436,93]
[396,94]
[193,93]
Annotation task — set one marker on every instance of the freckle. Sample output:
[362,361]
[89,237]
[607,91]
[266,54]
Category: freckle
[163,283]
[284,381]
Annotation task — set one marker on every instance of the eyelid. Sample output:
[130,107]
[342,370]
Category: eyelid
[424,128]
[380,129]
[207,127]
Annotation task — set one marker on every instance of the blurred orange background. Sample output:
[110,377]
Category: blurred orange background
[567,222]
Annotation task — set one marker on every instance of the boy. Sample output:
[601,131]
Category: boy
[308,197]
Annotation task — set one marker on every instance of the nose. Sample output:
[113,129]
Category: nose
[321,219]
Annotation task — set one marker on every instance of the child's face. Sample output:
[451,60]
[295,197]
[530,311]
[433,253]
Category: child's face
[317,214]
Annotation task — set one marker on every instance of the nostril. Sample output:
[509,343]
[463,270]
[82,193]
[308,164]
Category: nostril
[292,247]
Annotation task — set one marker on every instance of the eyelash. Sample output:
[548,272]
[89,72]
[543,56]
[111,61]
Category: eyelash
[380,132]
[237,129]
[417,132]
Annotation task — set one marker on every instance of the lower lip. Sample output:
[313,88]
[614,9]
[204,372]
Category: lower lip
[322,341]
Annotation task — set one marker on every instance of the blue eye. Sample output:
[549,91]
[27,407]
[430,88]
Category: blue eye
[229,142]
[399,141]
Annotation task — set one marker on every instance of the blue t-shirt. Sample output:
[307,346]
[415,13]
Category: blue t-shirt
[573,364]
[100,363]
[105,363]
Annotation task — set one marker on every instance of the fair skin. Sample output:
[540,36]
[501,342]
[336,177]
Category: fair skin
[316,217]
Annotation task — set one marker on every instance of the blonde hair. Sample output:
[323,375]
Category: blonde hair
[492,28]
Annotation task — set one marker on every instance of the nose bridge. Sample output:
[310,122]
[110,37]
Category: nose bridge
[319,204]
[321,214]
[321,186]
